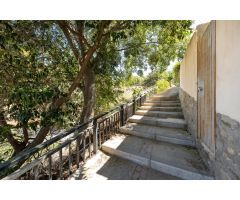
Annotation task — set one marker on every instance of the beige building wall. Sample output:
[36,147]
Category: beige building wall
[228,68]
[188,69]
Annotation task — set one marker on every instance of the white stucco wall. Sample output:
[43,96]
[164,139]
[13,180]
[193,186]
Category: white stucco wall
[188,69]
[228,68]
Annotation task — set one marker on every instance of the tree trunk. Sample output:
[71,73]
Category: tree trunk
[89,91]
[17,146]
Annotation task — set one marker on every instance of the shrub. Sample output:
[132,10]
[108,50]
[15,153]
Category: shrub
[162,85]
[176,74]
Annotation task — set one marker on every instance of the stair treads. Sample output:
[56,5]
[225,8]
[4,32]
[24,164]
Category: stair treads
[171,135]
[176,160]
[103,166]
[162,98]
[159,108]
[162,104]
[166,122]
[162,114]
[161,101]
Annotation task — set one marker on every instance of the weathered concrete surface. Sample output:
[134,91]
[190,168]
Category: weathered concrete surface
[169,93]
[189,108]
[176,160]
[161,104]
[105,167]
[161,114]
[166,122]
[157,108]
[162,98]
[162,101]
[170,135]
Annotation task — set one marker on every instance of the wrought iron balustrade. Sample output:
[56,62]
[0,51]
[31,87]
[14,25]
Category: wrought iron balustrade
[60,156]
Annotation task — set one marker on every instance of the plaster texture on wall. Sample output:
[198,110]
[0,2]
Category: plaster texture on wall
[228,68]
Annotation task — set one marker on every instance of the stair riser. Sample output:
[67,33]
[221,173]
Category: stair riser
[163,104]
[160,138]
[160,115]
[162,109]
[134,158]
[159,166]
[163,98]
[158,123]
[175,171]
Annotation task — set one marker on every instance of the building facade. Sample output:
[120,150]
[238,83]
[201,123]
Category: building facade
[210,95]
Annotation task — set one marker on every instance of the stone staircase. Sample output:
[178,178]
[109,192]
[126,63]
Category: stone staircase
[156,137]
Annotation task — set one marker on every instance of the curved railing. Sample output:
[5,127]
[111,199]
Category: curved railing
[60,156]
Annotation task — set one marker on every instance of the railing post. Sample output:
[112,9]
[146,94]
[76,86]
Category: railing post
[134,106]
[95,136]
[122,115]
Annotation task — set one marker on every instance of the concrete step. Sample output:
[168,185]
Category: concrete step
[162,114]
[183,162]
[104,166]
[162,104]
[170,135]
[154,121]
[162,98]
[159,108]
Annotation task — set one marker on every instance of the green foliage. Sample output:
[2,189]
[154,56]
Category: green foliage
[133,80]
[136,92]
[38,66]
[152,78]
[162,85]
[156,43]
[176,74]
[168,76]
[162,80]
[5,151]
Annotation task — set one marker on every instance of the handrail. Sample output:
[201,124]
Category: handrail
[13,162]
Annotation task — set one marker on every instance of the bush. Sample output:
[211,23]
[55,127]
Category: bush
[162,85]
[136,92]
[176,74]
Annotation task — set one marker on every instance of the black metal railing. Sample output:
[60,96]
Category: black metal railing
[60,156]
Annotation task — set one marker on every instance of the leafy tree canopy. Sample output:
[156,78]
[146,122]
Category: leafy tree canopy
[52,71]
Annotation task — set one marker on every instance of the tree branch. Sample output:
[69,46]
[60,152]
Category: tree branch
[82,39]
[120,25]
[63,26]
[136,45]
[17,146]
[101,33]
[25,134]
[59,101]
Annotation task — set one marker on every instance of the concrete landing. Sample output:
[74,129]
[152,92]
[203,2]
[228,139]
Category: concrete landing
[162,114]
[170,135]
[105,167]
[183,162]
[162,122]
